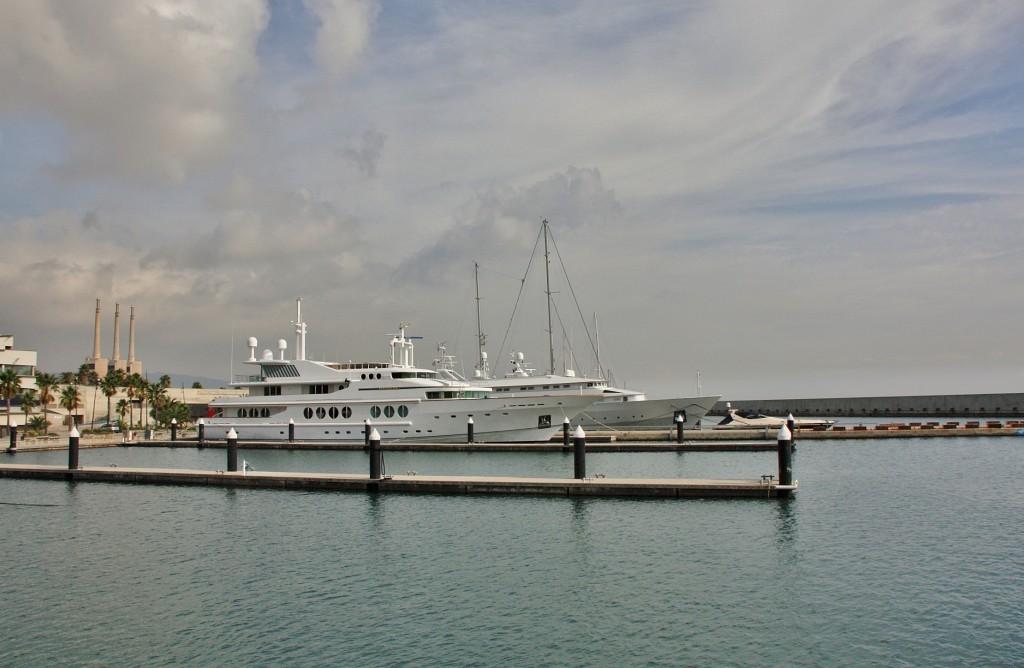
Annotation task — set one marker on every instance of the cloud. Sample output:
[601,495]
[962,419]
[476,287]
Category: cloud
[502,220]
[368,153]
[345,27]
[145,90]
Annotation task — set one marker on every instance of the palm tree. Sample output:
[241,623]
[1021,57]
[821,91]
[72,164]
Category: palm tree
[109,387]
[133,386]
[153,393]
[45,382]
[29,401]
[165,381]
[67,378]
[10,385]
[71,399]
[122,407]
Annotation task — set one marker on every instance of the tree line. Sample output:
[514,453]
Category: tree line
[149,399]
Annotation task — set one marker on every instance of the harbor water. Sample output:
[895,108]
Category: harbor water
[894,553]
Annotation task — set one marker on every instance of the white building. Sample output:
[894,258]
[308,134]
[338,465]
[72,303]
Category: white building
[22,361]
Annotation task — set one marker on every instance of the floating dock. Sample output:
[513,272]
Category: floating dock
[765,488]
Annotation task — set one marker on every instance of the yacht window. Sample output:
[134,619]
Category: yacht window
[320,412]
[346,412]
[403,411]
[272,391]
[375,411]
[333,412]
[308,412]
[389,411]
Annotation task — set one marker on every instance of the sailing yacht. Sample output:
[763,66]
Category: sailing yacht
[616,408]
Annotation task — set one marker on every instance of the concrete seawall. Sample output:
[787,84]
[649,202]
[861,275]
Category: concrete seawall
[1007,405]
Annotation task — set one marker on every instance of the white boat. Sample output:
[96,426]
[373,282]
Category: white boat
[736,419]
[328,401]
[617,407]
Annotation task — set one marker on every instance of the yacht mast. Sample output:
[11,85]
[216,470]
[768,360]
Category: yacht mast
[547,281]
[481,338]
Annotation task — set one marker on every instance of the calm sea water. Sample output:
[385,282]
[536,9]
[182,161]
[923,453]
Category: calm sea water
[904,553]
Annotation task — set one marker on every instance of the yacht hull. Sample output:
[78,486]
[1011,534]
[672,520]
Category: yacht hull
[647,413]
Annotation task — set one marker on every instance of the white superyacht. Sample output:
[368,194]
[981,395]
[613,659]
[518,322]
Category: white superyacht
[328,401]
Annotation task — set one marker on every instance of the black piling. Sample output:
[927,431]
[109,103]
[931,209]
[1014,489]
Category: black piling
[13,447]
[565,433]
[201,433]
[232,450]
[73,449]
[376,460]
[579,453]
[785,459]
[291,430]
[174,430]
[680,420]
[366,433]
[791,423]
[469,430]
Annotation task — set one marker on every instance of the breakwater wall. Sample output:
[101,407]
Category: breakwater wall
[1006,405]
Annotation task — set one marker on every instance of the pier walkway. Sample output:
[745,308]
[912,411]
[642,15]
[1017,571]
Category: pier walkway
[765,488]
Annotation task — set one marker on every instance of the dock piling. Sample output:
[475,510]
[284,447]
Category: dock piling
[579,453]
[291,430]
[73,449]
[201,432]
[366,433]
[375,455]
[679,428]
[791,423]
[13,447]
[785,459]
[232,450]
[565,432]
[174,430]
[469,430]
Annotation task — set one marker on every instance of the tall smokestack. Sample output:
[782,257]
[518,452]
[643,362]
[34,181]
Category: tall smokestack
[96,335]
[117,333]
[131,339]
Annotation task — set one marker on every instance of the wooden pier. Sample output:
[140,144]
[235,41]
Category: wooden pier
[670,488]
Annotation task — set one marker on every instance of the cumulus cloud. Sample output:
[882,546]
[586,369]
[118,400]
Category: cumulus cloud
[501,219]
[145,90]
[344,32]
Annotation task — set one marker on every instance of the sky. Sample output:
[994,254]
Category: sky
[790,199]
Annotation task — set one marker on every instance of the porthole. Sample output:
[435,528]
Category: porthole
[264,412]
[333,412]
[346,412]
[389,411]
[321,412]
[375,411]
[308,413]
[241,412]
[363,376]
[403,411]
[253,412]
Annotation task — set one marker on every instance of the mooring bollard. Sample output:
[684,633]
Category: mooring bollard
[375,456]
[174,430]
[13,447]
[469,430]
[232,450]
[291,430]
[565,433]
[579,453]
[791,423]
[679,427]
[785,459]
[73,449]
[366,433]
[201,434]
